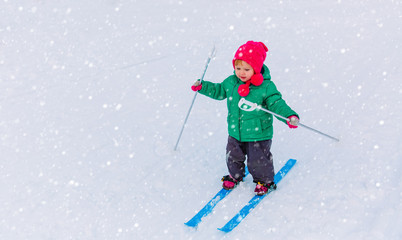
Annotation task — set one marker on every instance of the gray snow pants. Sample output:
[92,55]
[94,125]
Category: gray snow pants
[259,159]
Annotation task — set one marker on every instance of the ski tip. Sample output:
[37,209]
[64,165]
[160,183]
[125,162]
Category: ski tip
[225,230]
[191,224]
[229,226]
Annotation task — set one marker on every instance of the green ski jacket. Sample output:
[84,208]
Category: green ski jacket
[254,125]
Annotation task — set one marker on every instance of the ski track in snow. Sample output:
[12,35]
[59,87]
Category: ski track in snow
[93,96]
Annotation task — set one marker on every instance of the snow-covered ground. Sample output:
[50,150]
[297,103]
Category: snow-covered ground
[93,95]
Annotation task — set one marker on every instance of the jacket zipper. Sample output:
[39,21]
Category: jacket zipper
[239,120]
[239,125]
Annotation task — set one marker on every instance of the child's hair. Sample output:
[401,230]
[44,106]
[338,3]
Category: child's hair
[238,62]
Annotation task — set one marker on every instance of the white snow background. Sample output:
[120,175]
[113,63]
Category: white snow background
[93,95]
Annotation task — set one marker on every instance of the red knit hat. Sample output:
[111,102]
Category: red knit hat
[253,53]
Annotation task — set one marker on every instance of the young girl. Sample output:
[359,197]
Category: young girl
[250,132]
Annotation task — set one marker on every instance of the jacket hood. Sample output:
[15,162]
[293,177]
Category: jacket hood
[265,72]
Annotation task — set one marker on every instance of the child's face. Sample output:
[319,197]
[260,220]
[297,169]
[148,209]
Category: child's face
[244,71]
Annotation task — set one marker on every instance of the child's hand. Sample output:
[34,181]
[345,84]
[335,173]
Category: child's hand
[293,121]
[196,86]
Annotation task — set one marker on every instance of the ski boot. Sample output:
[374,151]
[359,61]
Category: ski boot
[264,188]
[229,182]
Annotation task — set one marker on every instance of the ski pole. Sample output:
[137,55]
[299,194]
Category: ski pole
[211,55]
[250,106]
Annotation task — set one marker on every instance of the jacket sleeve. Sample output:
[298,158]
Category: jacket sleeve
[213,90]
[276,104]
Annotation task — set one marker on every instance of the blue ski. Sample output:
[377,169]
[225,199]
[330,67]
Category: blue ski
[207,209]
[256,199]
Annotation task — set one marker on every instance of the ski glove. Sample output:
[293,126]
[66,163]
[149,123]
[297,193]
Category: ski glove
[196,86]
[293,121]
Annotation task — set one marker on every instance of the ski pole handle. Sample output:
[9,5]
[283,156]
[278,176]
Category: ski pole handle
[246,105]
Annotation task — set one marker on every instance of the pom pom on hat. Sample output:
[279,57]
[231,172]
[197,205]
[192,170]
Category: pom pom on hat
[244,89]
[257,79]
